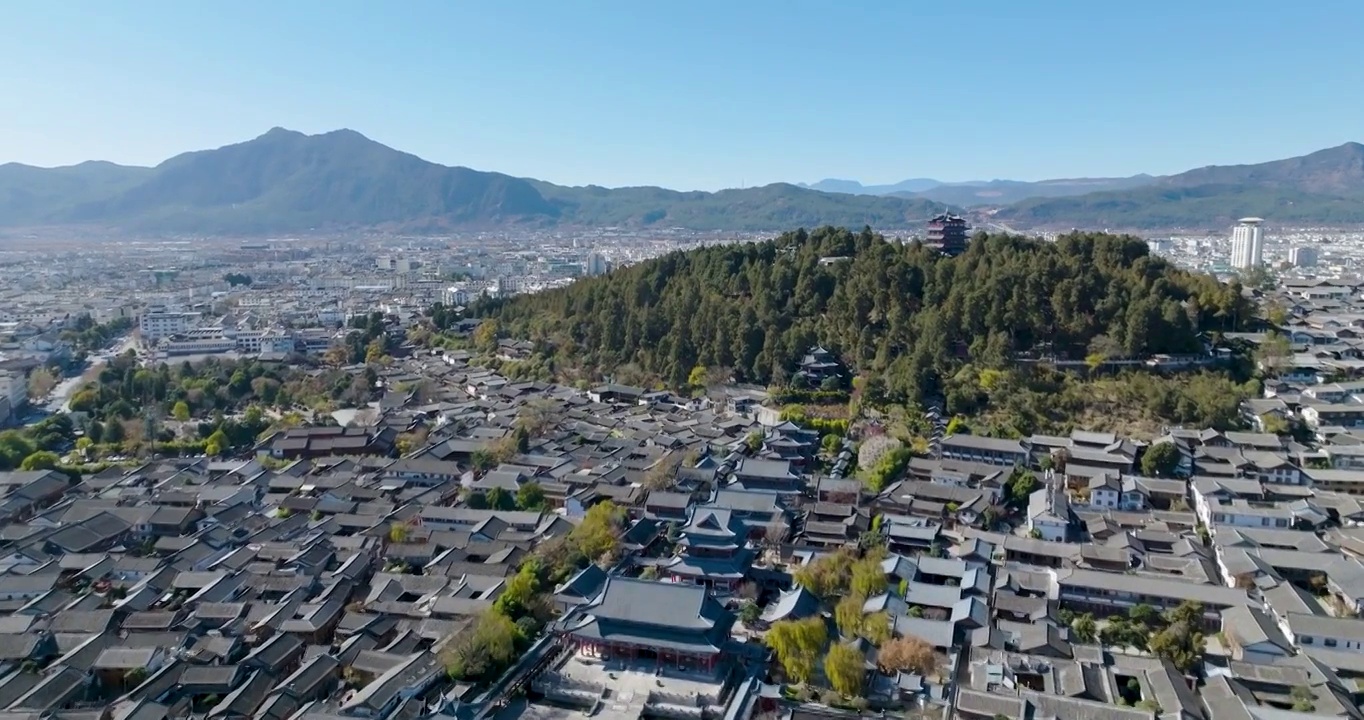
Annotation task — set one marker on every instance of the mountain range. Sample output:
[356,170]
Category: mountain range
[286,181]
[1322,188]
[1325,187]
[982,192]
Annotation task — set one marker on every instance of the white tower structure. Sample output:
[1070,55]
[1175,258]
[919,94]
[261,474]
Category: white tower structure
[1247,244]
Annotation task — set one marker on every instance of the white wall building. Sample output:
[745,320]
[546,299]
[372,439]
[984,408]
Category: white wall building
[158,322]
[1247,244]
[14,386]
[454,296]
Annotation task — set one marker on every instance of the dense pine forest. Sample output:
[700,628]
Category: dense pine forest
[896,312]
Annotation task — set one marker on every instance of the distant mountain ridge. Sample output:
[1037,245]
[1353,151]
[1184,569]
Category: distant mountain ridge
[1325,187]
[974,193]
[287,181]
[852,187]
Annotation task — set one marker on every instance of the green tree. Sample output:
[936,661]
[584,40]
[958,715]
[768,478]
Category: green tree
[1161,460]
[375,351]
[499,499]
[888,469]
[398,531]
[41,460]
[14,447]
[520,592]
[797,645]
[1144,614]
[877,628]
[1084,629]
[1180,643]
[1022,485]
[485,336]
[749,613]
[180,411]
[827,576]
[530,497]
[848,616]
[476,501]
[844,667]
[868,577]
[113,432]
[217,443]
[484,648]
[1120,632]
[598,535]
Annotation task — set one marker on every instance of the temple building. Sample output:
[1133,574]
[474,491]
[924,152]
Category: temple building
[947,234]
[713,551]
[646,620]
[817,366]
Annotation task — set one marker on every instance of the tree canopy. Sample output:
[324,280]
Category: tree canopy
[827,576]
[908,654]
[1161,460]
[797,644]
[843,666]
[897,311]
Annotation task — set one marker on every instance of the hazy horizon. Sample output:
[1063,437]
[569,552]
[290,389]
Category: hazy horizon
[706,96]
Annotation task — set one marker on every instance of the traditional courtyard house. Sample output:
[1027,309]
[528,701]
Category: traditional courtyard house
[766,475]
[991,451]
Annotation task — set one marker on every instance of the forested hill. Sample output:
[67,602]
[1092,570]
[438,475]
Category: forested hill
[900,311]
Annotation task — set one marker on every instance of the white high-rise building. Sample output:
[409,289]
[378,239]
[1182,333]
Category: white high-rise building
[595,264]
[1247,244]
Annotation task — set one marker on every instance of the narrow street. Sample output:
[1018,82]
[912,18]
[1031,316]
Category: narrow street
[60,399]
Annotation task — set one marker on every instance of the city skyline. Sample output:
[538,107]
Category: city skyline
[699,98]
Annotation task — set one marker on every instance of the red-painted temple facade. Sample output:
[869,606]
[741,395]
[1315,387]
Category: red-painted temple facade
[670,624]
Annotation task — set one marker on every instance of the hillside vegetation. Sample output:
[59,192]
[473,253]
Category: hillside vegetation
[900,315]
[761,208]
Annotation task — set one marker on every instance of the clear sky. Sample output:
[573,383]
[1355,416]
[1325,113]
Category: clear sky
[697,94]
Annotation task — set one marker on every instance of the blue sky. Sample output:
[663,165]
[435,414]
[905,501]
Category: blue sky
[700,94]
